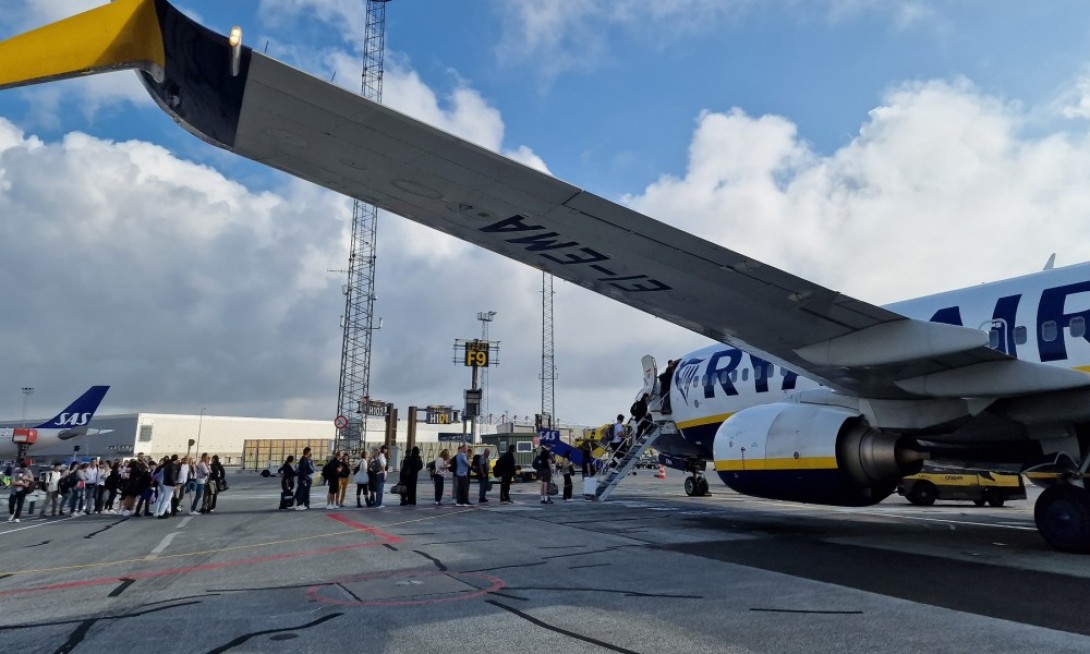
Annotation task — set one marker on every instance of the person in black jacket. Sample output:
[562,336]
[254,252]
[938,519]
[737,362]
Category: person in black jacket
[505,470]
[303,475]
[217,481]
[410,468]
[331,474]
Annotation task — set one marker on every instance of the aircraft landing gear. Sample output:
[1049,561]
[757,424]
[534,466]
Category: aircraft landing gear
[1062,514]
[696,485]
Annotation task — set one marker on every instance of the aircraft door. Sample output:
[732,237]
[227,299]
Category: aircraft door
[650,376]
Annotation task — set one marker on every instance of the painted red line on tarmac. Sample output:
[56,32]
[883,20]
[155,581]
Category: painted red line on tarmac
[385,537]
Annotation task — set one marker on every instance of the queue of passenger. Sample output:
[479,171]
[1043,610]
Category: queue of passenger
[370,473]
[137,487]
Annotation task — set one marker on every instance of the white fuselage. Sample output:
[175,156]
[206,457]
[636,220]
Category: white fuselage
[1043,317]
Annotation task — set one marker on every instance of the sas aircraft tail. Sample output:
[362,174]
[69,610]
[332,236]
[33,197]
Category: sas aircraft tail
[78,413]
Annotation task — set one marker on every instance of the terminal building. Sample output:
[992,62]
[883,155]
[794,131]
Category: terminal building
[163,434]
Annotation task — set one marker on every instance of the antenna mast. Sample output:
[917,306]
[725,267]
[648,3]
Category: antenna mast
[548,360]
[353,393]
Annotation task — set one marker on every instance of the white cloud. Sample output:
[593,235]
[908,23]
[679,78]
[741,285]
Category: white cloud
[348,18]
[575,35]
[939,189]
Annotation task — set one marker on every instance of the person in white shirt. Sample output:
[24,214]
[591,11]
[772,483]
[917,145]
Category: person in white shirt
[90,487]
[200,476]
[52,491]
[182,478]
[441,468]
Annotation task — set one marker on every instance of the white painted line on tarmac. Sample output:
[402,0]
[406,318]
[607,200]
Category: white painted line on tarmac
[184,522]
[163,544]
[34,526]
[1001,525]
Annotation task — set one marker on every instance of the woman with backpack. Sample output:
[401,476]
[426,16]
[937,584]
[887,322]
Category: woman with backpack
[377,473]
[362,480]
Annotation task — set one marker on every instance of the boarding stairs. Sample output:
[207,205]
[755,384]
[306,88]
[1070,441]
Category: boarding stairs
[613,468]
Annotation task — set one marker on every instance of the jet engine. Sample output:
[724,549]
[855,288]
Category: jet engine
[811,453]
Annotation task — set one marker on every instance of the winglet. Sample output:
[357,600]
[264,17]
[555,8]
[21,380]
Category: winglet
[121,35]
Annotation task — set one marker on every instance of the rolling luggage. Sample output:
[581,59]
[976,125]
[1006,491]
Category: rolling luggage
[287,500]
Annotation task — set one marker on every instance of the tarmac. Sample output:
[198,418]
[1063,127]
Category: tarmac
[650,570]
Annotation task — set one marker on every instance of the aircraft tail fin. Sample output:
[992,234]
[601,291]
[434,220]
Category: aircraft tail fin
[78,413]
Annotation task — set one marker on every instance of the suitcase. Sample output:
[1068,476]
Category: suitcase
[287,500]
[590,487]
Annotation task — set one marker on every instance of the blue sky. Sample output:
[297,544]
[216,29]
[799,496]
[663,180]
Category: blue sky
[753,124]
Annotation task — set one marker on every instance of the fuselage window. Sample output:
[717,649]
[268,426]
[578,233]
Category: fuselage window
[1077,327]
[1020,335]
[1048,330]
[745,374]
[734,375]
[758,372]
[993,339]
[723,376]
[771,370]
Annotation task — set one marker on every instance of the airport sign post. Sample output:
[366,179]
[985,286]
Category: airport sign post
[340,422]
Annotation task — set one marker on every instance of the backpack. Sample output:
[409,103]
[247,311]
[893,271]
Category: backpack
[431,467]
[67,482]
[538,464]
[374,466]
[476,465]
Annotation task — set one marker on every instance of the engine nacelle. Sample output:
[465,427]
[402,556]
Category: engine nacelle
[810,453]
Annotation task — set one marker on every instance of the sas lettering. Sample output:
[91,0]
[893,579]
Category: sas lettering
[73,419]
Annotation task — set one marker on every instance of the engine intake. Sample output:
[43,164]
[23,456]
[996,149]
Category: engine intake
[811,453]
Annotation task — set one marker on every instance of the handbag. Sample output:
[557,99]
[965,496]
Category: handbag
[553,490]
[222,485]
[398,489]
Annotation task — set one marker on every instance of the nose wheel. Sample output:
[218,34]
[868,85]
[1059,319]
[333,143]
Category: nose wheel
[696,486]
[1062,514]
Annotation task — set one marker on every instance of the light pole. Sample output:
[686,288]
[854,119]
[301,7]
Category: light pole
[200,423]
[485,317]
[27,392]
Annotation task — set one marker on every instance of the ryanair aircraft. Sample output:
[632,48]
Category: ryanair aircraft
[813,396]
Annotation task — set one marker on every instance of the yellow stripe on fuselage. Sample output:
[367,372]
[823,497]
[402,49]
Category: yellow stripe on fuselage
[119,35]
[707,420]
[788,463]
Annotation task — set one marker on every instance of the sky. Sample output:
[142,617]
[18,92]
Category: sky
[884,149]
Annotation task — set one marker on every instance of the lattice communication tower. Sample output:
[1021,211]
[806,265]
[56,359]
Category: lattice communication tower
[359,292]
[548,359]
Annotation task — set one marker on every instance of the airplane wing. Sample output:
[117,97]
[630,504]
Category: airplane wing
[284,118]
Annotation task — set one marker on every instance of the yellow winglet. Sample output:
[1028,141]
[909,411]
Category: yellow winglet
[123,34]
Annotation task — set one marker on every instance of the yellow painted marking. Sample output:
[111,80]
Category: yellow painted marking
[801,463]
[122,34]
[1082,368]
[698,422]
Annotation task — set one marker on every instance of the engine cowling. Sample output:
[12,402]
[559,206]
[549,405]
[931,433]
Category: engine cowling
[810,453]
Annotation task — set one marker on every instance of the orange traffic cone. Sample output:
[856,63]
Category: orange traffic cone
[661,474]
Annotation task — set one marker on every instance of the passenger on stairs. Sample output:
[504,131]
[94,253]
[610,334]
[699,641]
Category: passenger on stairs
[640,415]
[664,385]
